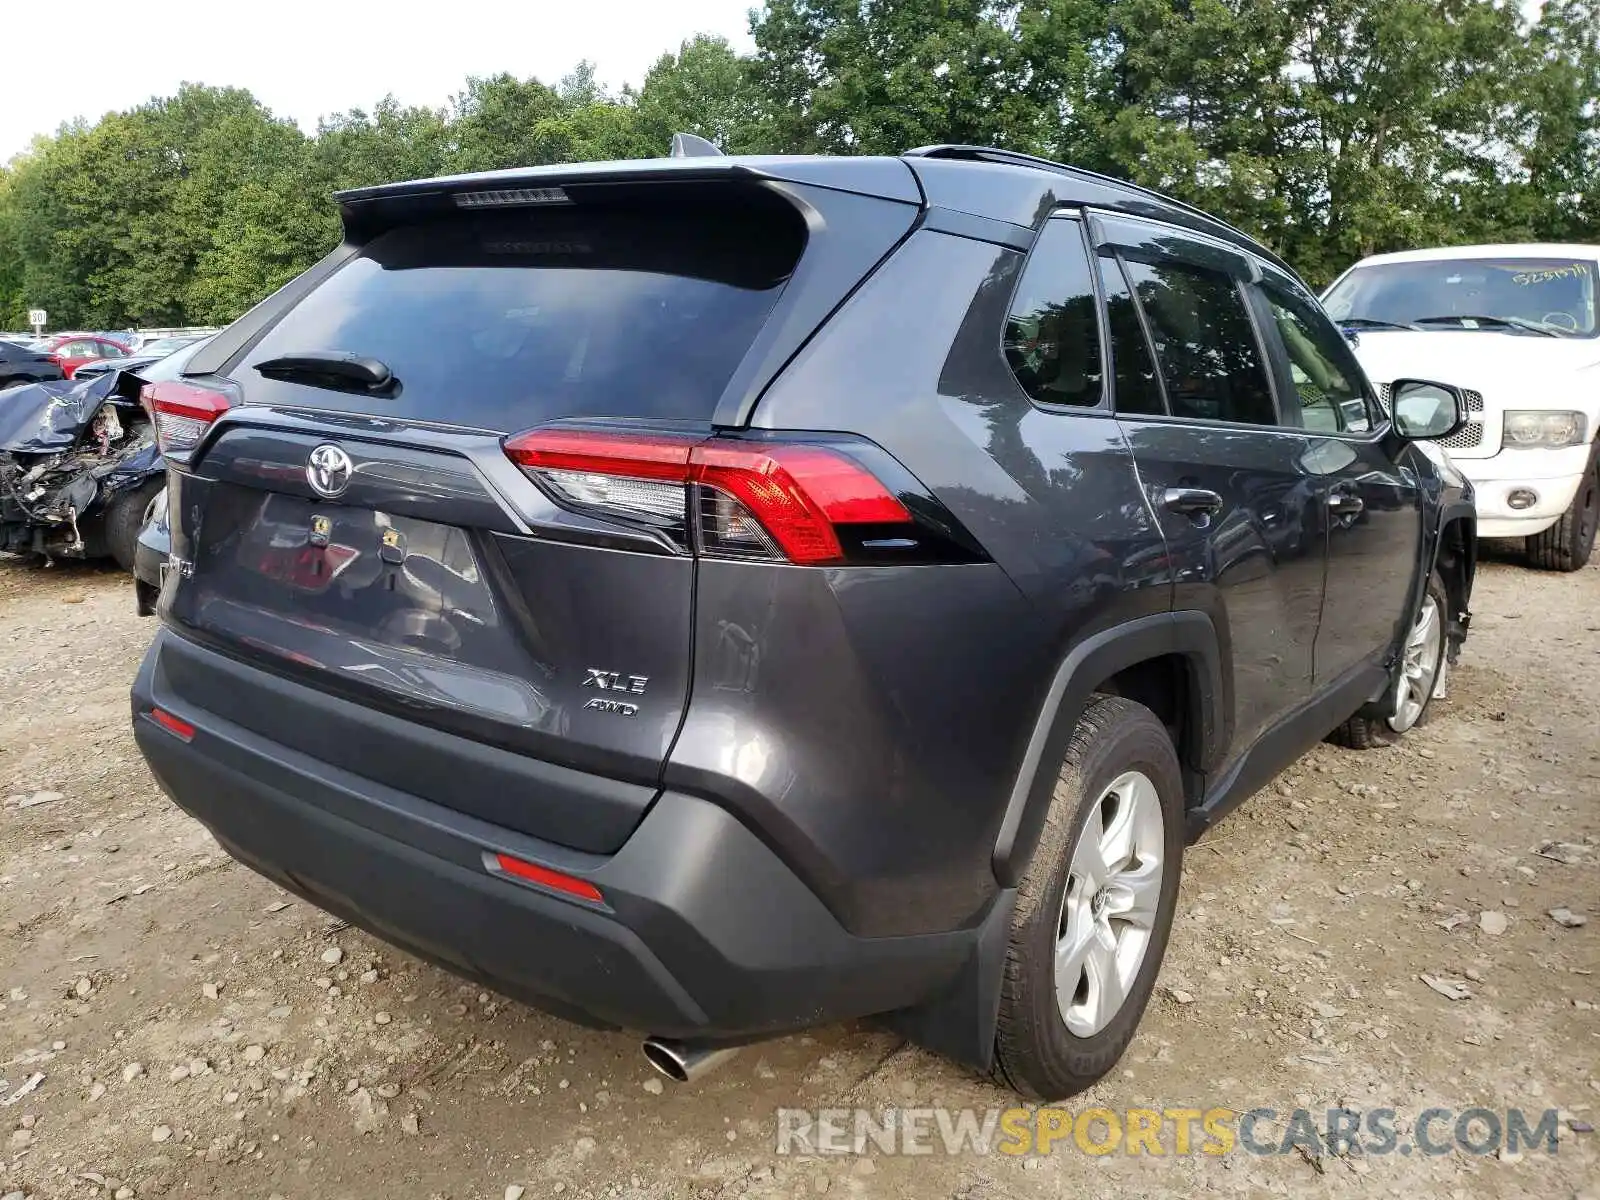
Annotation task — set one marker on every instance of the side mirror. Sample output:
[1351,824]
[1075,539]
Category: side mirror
[1425,411]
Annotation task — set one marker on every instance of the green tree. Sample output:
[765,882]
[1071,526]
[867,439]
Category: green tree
[82,201]
[704,89]
[358,149]
[13,266]
[503,122]
[1388,100]
[881,76]
[1556,194]
[243,216]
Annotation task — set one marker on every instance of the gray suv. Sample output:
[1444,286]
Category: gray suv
[715,596]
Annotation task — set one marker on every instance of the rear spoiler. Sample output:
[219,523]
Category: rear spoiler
[366,212]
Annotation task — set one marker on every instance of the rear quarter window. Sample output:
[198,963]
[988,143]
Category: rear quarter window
[1052,337]
[510,319]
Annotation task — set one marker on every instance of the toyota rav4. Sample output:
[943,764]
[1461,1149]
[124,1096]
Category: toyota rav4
[710,596]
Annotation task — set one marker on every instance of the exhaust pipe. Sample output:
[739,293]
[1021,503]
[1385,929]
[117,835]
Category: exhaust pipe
[685,1061]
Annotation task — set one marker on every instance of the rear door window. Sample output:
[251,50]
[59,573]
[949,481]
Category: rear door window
[1137,387]
[507,320]
[1205,342]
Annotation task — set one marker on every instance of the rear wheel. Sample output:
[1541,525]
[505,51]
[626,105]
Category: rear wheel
[125,519]
[1095,906]
[1567,545]
[1421,678]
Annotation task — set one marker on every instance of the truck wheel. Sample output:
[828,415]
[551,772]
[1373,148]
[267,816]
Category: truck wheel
[1095,906]
[125,518]
[1567,544]
[1421,678]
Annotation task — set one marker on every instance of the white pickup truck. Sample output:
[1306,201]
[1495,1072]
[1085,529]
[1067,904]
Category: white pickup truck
[1517,328]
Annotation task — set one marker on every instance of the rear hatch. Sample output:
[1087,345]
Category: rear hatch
[490,628]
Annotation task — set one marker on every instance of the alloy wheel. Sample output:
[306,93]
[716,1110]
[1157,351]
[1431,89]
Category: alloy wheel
[1108,910]
[1424,663]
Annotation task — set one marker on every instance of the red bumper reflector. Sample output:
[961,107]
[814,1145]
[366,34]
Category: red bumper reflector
[545,877]
[177,728]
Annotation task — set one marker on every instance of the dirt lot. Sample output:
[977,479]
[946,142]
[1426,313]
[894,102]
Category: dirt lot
[201,1035]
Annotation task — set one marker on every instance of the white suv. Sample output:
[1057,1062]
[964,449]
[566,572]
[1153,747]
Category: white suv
[1516,327]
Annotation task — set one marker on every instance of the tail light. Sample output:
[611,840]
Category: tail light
[182,412]
[775,501]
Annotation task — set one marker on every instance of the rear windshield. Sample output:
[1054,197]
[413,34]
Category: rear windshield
[506,320]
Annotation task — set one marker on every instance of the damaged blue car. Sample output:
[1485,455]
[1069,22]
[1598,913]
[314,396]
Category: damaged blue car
[79,468]
[80,472]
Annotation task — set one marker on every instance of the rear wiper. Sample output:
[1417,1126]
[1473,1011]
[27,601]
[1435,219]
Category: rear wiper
[1373,323]
[339,370]
[1496,322]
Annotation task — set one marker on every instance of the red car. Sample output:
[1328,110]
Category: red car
[69,351]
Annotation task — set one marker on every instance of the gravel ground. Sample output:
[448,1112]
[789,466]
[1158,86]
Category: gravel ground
[200,1033]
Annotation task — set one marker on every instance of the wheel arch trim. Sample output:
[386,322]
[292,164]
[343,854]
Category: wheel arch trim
[1189,634]
[1461,513]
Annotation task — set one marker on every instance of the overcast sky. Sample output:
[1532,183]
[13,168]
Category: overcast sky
[307,58]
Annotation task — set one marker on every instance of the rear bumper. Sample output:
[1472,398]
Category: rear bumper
[704,931]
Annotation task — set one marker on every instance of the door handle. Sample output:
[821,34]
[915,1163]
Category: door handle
[1345,504]
[1192,502]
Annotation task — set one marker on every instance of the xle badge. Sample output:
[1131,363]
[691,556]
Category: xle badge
[614,681]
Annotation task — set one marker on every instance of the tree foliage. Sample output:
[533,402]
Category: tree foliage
[1329,128]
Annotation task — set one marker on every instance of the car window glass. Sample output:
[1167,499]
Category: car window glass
[1205,343]
[76,350]
[112,350]
[1324,375]
[173,364]
[1556,295]
[1052,338]
[513,317]
[1136,387]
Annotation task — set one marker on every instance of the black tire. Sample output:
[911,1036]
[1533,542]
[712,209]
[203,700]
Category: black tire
[1363,733]
[1567,545]
[125,519]
[1372,733]
[1035,1052]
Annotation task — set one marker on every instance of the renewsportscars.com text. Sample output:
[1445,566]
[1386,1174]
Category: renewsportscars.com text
[1213,1131]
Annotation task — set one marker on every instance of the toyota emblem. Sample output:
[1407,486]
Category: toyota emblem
[328,470]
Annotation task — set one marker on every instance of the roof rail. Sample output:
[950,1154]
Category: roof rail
[1017,158]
